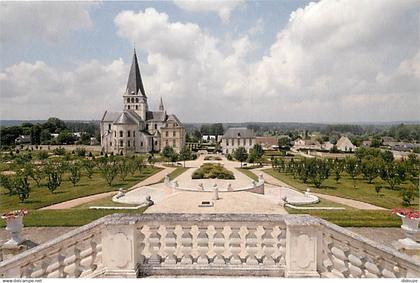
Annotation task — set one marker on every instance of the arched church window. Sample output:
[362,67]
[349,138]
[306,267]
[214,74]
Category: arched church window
[132,100]
[137,100]
[137,107]
[128,100]
[121,134]
[128,107]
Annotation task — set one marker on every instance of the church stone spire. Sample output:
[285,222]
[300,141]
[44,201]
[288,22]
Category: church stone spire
[135,84]
[161,108]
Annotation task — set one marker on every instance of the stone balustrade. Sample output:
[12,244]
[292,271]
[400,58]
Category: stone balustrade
[123,245]
[74,254]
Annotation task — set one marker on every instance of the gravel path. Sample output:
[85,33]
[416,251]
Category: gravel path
[76,202]
[349,202]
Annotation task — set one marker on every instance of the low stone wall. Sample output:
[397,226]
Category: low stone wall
[255,187]
[122,245]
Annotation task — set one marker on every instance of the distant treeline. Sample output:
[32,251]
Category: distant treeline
[41,132]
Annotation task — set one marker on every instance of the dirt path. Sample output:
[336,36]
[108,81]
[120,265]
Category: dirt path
[75,202]
[349,202]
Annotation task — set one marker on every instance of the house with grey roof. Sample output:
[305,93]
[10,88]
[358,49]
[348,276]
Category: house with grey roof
[136,128]
[237,137]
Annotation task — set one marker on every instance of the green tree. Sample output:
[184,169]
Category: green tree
[89,166]
[54,180]
[108,169]
[43,155]
[168,152]
[185,154]
[240,154]
[65,137]
[75,173]
[151,160]
[7,183]
[352,168]
[370,168]
[387,156]
[319,171]
[22,187]
[376,141]
[390,175]
[123,169]
[256,152]
[284,143]
[37,173]
[338,168]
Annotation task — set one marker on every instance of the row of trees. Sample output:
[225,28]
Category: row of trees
[171,156]
[369,163]
[254,156]
[53,173]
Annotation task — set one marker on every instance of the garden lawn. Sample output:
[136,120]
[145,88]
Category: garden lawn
[178,171]
[67,217]
[354,217]
[40,197]
[365,192]
[249,173]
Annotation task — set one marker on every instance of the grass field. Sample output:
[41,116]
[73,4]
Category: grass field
[67,217]
[249,173]
[178,171]
[354,217]
[40,197]
[365,192]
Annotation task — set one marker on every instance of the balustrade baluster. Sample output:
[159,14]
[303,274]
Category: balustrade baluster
[219,246]
[170,245]
[203,244]
[154,246]
[235,246]
[186,241]
[251,246]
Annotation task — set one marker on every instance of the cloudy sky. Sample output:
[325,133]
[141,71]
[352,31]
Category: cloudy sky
[224,61]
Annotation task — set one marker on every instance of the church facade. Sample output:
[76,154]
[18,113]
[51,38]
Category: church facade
[136,129]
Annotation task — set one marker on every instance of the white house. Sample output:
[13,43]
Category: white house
[237,137]
[344,144]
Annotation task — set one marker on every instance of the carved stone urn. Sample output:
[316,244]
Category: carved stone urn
[14,226]
[410,225]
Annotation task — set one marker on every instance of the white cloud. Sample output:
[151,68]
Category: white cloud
[37,90]
[23,21]
[335,61]
[222,8]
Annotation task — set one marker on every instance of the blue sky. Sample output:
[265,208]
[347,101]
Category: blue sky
[211,61]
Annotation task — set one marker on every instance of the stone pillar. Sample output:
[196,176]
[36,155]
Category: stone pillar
[303,246]
[216,193]
[120,251]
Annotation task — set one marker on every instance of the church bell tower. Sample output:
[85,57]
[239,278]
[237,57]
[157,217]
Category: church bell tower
[135,97]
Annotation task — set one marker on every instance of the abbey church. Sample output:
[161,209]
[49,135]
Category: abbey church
[136,129]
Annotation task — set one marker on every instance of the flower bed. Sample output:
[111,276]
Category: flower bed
[212,171]
[212,158]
